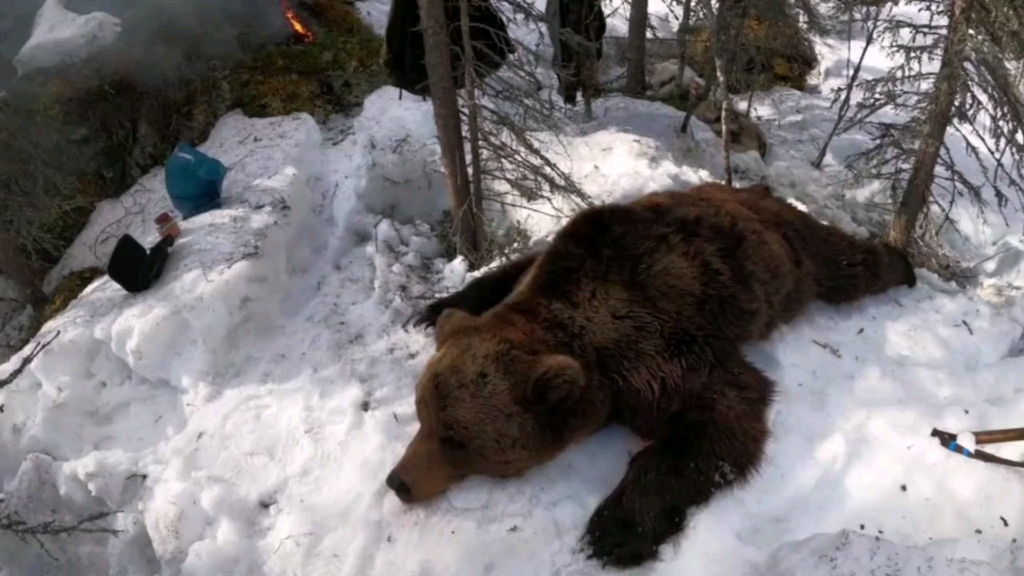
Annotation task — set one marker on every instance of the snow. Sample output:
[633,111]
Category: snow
[967,440]
[60,37]
[242,414]
[990,238]
[847,553]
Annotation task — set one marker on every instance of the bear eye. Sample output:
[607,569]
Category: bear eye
[452,444]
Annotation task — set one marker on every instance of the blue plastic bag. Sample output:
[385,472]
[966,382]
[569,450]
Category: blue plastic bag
[193,181]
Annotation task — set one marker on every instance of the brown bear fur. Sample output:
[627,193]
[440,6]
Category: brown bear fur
[635,314]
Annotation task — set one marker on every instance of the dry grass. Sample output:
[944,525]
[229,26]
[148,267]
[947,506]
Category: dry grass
[332,74]
[67,291]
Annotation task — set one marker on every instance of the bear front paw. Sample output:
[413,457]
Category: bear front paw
[428,317]
[616,539]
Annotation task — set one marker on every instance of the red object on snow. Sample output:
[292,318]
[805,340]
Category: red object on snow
[167,225]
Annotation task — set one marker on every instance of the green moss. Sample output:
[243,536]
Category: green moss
[329,75]
[775,53]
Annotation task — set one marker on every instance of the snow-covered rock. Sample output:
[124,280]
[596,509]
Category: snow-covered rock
[664,79]
[61,37]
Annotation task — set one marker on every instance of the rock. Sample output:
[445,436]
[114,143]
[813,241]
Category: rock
[772,51]
[667,71]
[744,134]
[664,80]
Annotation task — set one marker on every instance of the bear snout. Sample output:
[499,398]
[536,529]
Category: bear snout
[422,473]
[399,486]
[899,268]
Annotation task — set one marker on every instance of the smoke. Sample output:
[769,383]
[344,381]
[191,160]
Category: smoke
[164,39]
[16,18]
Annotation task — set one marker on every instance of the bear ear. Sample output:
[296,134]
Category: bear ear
[554,392]
[448,322]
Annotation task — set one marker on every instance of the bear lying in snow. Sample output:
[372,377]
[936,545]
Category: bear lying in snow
[635,314]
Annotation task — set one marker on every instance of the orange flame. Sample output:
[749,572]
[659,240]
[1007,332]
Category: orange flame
[305,33]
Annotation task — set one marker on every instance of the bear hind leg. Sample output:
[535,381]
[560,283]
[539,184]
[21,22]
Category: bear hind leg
[697,457]
[482,293]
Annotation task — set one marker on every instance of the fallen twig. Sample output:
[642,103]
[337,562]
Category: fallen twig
[11,523]
[37,349]
[829,347]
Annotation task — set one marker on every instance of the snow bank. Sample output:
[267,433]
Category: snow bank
[195,310]
[397,167]
[632,147]
[798,123]
[847,553]
[121,373]
[41,494]
[243,413]
[61,37]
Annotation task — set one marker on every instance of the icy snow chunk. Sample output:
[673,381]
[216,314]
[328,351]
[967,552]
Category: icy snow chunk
[406,231]
[455,273]
[41,493]
[411,260]
[428,247]
[748,166]
[111,476]
[175,520]
[967,440]
[387,234]
[798,205]
[61,37]
[472,494]
[397,159]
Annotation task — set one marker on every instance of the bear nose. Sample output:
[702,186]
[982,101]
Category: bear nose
[399,486]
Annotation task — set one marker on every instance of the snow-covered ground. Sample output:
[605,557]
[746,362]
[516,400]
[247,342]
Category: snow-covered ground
[242,414]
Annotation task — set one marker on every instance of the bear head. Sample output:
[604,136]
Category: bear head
[492,401]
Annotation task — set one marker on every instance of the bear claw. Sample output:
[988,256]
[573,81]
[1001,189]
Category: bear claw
[428,317]
[616,540]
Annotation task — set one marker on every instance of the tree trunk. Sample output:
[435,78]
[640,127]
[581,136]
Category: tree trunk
[476,184]
[723,93]
[682,40]
[724,35]
[940,111]
[636,49]
[449,127]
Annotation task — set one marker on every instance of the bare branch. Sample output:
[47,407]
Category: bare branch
[13,524]
[986,119]
[872,18]
[37,349]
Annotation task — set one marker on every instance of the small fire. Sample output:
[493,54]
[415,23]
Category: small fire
[305,33]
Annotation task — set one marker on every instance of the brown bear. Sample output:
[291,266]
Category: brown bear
[635,314]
